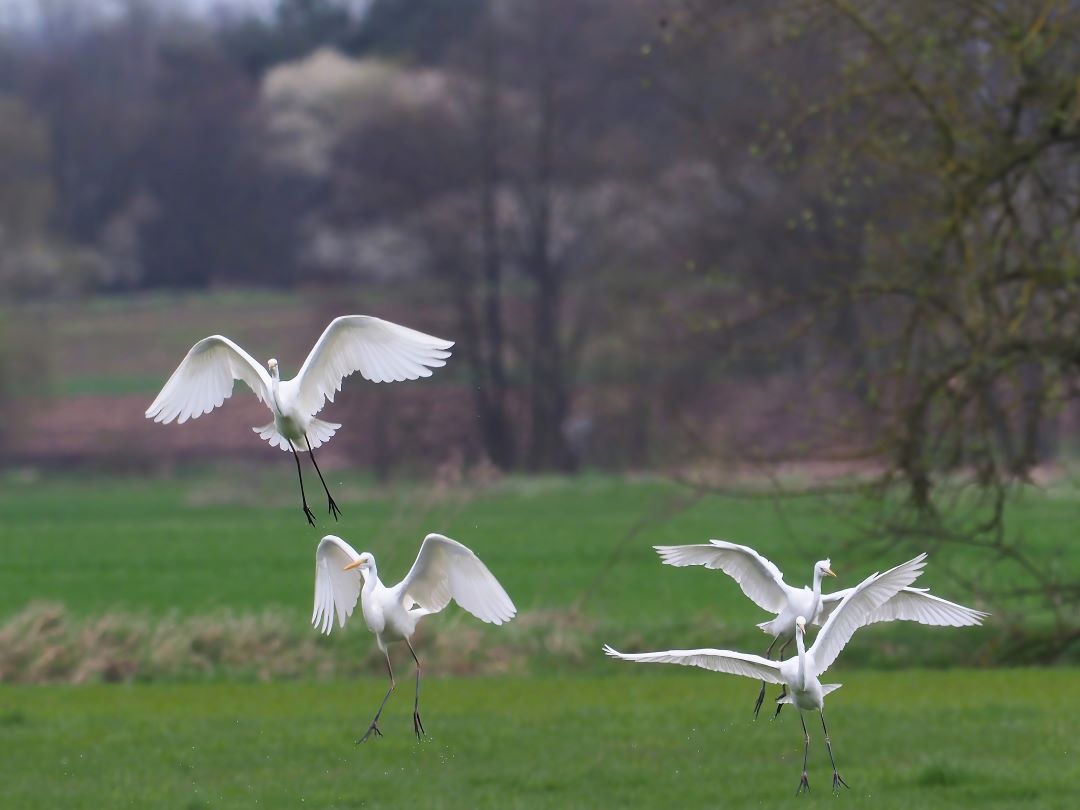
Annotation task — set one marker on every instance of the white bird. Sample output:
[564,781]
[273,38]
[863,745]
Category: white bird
[380,350]
[762,581]
[800,675]
[444,570]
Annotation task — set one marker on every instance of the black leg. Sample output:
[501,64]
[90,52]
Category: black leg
[783,689]
[761,692]
[803,783]
[779,705]
[418,727]
[374,727]
[300,475]
[837,780]
[333,506]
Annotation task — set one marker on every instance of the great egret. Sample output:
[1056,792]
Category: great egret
[444,570]
[380,350]
[800,675]
[762,581]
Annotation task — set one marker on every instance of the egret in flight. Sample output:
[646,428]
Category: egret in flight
[762,581]
[380,350]
[444,570]
[800,675]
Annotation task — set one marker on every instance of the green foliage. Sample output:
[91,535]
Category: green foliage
[631,738]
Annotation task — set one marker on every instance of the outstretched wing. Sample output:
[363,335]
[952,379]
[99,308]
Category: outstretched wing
[335,588]
[910,605]
[733,663]
[445,570]
[853,612]
[205,379]
[380,350]
[758,577]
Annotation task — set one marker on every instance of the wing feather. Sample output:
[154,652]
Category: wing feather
[911,605]
[204,379]
[733,663]
[336,590]
[380,350]
[759,578]
[445,570]
[853,612]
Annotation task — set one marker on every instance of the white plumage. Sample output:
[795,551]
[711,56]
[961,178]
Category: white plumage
[758,577]
[380,350]
[800,675]
[764,584]
[910,605]
[444,570]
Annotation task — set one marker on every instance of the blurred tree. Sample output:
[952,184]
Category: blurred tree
[32,262]
[156,161]
[500,162]
[26,194]
[421,32]
[296,28]
[25,201]
[92,86]
[945,136]
[221,212]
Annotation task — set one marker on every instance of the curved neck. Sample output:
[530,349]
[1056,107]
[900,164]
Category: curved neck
[275,382]
[371,578]
[802,656]
[817,581]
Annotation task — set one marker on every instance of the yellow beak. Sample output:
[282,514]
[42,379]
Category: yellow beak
[829,571]
[352,565]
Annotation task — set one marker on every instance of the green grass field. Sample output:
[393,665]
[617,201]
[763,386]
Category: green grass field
[629,739]
[568,729]
[234,540]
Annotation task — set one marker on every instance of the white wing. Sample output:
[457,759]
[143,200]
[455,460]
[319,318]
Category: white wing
[853,612]
[734,663]
[759,579]
[335,588]
[205,379]
[910,605]
[380,350]
[445,570]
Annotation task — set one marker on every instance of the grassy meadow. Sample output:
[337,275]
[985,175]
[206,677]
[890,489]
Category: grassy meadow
[663,738]
[548,722]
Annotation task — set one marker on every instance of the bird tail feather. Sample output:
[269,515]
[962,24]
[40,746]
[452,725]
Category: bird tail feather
[318,433]
[825,689]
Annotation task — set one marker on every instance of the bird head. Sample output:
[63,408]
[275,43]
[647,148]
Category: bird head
[824,568]
[363,562]
[800,625]
[271,365]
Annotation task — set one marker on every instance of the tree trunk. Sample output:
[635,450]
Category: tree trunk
[491,396]
[548,399]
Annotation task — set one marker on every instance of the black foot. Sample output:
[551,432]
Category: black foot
[374,727]
[418,726]
[804,785]
[310,517]
[334,508]
[760,700]
[837,781]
